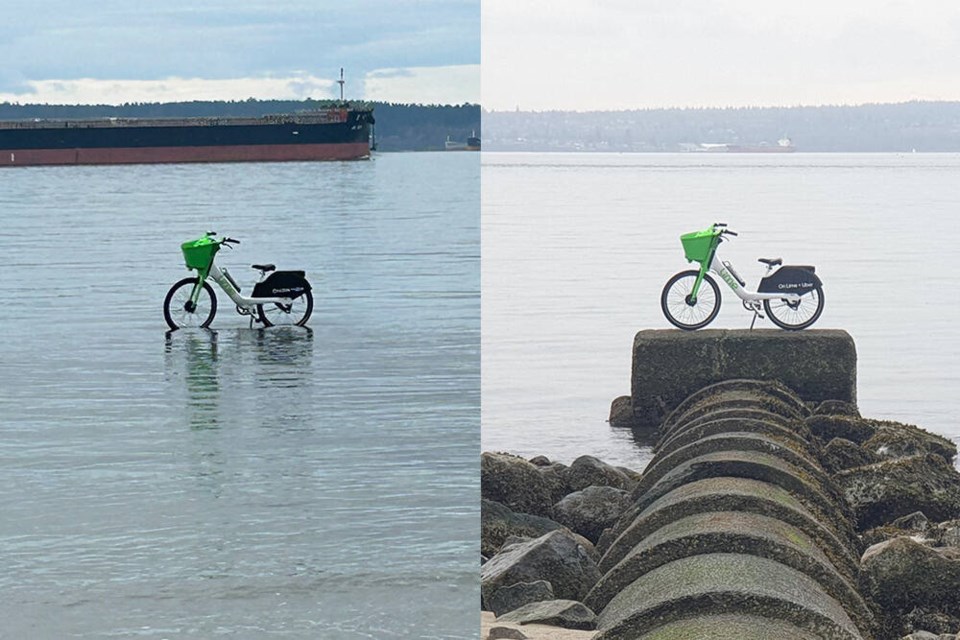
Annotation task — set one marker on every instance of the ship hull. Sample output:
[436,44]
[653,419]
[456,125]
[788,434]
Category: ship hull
[161,155]
[331,135]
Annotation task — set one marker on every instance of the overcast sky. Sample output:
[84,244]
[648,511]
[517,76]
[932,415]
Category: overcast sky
[113,51]
[628,54]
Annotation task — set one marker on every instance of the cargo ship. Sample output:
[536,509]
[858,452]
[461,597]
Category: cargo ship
[339,133]
[472,144]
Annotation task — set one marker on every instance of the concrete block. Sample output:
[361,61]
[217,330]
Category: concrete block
[670,365]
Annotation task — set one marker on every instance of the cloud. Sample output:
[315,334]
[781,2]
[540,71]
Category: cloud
[96,91]
[234,38]
[390,73]
[425,85]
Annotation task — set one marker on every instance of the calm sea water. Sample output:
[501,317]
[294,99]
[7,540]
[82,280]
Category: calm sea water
[288,483]
[577,247]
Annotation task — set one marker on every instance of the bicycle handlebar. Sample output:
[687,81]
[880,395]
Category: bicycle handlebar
[723,230]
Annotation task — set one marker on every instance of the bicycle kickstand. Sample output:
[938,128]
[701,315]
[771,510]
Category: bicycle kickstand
[756,314]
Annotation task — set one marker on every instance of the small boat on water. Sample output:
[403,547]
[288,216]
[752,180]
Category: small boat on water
[784,145]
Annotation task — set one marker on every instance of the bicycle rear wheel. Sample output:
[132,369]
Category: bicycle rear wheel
[794,316]
[179,312]
[296,313]
[680,310]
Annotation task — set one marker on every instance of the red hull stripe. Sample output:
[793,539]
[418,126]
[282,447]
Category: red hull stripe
[150,155]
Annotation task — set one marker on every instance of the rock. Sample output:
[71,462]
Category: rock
[921,635]
[930,621]
[828,427]
[513,481]
[630,473]
[566,614]
[590,511]
[947,534]
[540,461]
[512,540]
[621,414]
[840,454]
[897,440]
[506,633]
[498,523]
[506,599]
[837,408]
[555,476]
[606,539]
[888,532]
[902,574]
[913,525]
[880,493]
[915,521]
[587,545]
[588,471]
[555,557]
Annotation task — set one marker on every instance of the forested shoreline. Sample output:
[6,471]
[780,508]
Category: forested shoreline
[901,127]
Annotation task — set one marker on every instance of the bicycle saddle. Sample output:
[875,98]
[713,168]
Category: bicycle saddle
[264,267]
[771,262]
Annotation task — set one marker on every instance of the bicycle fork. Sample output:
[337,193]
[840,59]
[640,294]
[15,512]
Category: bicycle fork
[191,304]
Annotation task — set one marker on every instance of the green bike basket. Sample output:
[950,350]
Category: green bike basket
[698,245]
[198,254]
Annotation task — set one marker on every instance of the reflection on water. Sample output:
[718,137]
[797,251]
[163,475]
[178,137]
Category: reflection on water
[198,350]
[279,361]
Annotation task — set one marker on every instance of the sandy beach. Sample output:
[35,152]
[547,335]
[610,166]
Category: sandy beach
[532,631]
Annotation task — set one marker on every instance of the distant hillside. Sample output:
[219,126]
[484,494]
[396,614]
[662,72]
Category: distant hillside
[920,126]
[399,127]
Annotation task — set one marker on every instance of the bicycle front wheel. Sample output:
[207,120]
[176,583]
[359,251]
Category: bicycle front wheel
[179,312]
[680,310]
[296,313]
[794,316]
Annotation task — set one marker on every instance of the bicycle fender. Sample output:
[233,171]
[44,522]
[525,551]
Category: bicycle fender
[797,279]
[282,284]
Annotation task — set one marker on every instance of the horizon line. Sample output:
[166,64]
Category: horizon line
[723,108]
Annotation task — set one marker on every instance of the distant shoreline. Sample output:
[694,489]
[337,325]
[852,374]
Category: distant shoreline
[877,128]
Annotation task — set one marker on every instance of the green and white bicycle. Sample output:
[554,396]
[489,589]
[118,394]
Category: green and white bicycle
[281,298]
[791,295]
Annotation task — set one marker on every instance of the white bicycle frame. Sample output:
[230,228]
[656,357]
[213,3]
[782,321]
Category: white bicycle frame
[249,304]
[751,298]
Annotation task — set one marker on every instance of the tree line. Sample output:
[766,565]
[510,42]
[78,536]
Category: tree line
[902,127]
